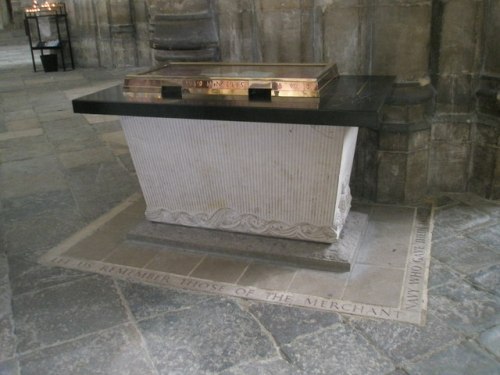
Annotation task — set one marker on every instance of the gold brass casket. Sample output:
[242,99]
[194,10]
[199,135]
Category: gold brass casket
[252,82]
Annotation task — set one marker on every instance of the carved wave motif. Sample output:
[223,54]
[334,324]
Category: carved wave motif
[229,219]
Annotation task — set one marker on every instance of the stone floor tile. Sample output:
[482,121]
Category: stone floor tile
[91,184]
[464,308]
[271,367]
[286,323]
[487,236]
[337,350]
[319,283]
[53,106]
[20,125]
[465,358]
[41,231]
[109,126]
[24,148]
[209,337]
[374,285]
[11,85]
[220,269]
[402,342]
[95,247]
[86,156]
[49,117]
[4,269]
[7,338]
[488,277]
[117,351]
[132,255]
[386,240]
[464,254]
[45,103]
[20,114]
[125,221]
[9,367]
[31,176]
[16,101]
[126,161]
[440,273]
[116,142]
[97,119]
[18,208]
[398,371]
[473,200]
[59,126]
[65,312]
[29,276]
[267,276]
[5,136]
[147,301]
[490,339]
[174,261]
[457,219]
[73,139]
[59,102]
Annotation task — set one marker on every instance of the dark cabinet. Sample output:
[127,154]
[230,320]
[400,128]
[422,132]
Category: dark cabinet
[48,32]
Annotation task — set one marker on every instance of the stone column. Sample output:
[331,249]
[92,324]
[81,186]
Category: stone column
[140,16]
[403,145]
[282,24]
[122,31]
[397,36]
[4,14]
[84,27]
[240,32]
[345,34]
[457,32]
[485,179]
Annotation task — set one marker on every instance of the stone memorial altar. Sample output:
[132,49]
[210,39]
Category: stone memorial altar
[247,149]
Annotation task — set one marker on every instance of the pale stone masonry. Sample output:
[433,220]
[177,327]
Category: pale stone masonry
[441,126]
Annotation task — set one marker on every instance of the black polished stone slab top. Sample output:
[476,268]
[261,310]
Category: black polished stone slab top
[348,101]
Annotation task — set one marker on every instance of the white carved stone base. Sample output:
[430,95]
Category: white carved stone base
[279,180]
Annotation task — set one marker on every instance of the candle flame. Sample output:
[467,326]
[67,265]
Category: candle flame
[44,7]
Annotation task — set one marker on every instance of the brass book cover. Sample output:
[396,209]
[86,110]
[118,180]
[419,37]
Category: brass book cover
[259,82]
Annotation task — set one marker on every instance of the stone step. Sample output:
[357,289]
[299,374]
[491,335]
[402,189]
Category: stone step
[338,256]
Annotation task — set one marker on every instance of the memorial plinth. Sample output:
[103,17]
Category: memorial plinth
[277,164]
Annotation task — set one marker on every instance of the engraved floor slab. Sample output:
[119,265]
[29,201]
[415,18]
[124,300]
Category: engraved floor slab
[388,277]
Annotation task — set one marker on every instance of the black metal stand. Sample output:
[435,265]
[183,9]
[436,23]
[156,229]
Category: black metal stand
[58,17]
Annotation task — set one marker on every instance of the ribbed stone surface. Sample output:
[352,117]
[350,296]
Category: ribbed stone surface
[279,180]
